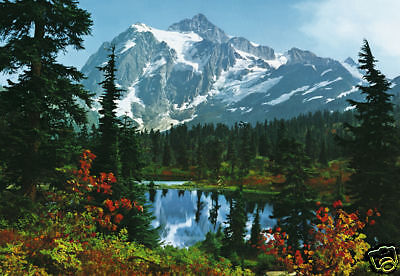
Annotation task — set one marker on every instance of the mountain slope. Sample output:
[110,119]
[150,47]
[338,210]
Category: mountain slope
[194,72]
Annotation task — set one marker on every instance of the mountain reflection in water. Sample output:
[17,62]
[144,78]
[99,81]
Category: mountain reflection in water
[185,217]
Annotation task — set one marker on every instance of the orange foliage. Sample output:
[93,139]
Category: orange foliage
[83,183]
[279,178]
[337,245]
[166,173]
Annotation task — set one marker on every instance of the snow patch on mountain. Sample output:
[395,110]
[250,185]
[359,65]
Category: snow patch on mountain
[351,107]
[352,70]
[179,42]
[151,67]
[140,122]
[254,44]
[312,98]
[129,44]
[312,66]
[242,79]
[280,59]
[195,102]
[284,97]
[344,94]
[325,72]
[125,105]
[320,85]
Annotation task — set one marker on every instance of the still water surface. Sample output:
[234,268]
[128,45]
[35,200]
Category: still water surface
[185,217]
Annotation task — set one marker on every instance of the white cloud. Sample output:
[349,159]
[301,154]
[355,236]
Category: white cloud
[338,26]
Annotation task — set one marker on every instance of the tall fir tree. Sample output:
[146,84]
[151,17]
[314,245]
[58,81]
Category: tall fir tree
[231,154]
[213,155]
[310,145]
[166,160]
[245,153]
[374,151]
[130,153]
[107,150]
[322,154]
[255,235]
[293,206]
[235,231]
[43,101]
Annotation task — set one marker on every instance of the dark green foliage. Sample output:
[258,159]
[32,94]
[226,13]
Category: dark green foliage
[18,211]
[107,150]
[264,263]
[374,149]
[240,144]
[130,152]
[213,216]
[42,102]
[293,206]
[213,243]
[246,153]
[155,146]
[235,231]
[213,149]
[264,145]
[166,160]
[232,155]
[138,223]
[255,230]
[322,154]
[199,206]
[310,145]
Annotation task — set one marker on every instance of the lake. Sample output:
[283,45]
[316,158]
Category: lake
[185,217]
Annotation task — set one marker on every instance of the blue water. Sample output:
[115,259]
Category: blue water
[184,220]
[164,182]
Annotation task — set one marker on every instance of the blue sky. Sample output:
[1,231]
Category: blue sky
[329,28]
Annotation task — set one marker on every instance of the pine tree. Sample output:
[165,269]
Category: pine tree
[107,151]
[43,100]
[213,216]
[213,155]
[166,161]
[245,153]
[374,150]
[138,223]
[310,145]
[294,205]
[255,229]
[231,155]
[264,145]
[130,153]
[322,154]
[235,232]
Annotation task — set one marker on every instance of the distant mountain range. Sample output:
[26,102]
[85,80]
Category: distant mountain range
[195,73]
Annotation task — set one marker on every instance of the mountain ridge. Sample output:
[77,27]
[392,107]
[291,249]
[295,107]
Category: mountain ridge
[195,73]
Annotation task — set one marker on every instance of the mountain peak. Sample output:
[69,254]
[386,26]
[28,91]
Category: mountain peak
[350,62]
[297,55]
[202,26]
[200,17]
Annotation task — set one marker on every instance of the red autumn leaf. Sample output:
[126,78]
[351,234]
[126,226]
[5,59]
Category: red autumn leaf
[118,218]
[337,204]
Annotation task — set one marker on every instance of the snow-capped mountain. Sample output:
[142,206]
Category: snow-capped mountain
[194,72]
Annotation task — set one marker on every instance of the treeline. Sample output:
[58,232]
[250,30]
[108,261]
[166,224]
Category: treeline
[206,146]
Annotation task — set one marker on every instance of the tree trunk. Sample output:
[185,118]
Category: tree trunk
[29,181]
